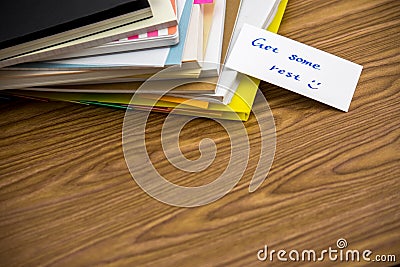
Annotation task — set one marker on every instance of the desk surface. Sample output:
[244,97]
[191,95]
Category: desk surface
[68,199]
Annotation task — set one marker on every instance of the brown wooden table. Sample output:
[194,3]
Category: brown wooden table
[68,199]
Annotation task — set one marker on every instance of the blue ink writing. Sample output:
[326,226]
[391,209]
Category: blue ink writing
[260,42]
[286,73]
[304,62]
[314,85]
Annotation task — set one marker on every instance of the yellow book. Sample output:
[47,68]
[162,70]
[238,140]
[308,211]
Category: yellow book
[242,102]
[243,99]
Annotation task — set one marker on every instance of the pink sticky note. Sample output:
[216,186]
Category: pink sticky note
[133,37]
[152,34]
[203,1]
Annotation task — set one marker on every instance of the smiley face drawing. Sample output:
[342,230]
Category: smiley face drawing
[314,85]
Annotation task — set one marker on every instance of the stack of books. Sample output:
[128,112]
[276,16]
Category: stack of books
[103,52]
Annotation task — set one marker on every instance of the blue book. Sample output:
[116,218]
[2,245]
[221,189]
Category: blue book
[176,52]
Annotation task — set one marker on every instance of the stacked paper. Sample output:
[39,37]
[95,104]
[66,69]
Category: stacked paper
[180,66]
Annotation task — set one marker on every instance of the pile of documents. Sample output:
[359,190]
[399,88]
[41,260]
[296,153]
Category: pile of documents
[103,52]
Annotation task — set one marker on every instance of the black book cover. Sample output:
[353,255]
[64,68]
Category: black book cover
[27,20]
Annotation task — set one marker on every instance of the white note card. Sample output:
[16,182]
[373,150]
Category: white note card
[295,66]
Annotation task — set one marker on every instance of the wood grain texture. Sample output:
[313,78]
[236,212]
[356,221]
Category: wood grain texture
[68,199]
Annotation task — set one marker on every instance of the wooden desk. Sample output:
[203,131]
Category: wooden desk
[68,199]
